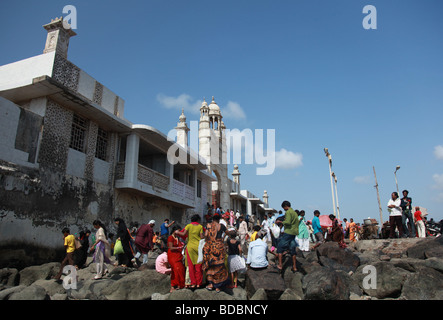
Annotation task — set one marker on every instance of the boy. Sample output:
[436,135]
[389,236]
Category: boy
[70,248]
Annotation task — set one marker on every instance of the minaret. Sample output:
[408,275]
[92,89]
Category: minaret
[266,198]
[236,176]
[58,37]
[204,133]
[182,131]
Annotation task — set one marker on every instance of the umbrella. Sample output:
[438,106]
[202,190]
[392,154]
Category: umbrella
[325,222]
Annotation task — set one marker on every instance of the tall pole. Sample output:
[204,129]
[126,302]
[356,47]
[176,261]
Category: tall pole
[336,195]
[395,174]
[378,198]
[330,175]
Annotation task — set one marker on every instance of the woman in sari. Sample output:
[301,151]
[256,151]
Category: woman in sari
[194,233]
[102,250]
[303,233]
[352,230]
[175,259]
[214,254]
[337,232]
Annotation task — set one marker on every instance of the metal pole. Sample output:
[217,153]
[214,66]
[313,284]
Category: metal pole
[336,195]
[396,183]
[378,198]
[330,175]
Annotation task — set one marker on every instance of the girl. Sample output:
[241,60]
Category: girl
[234,257]
[102,250]
[175,259]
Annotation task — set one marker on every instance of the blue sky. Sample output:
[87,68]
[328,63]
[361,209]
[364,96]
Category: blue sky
[306,68]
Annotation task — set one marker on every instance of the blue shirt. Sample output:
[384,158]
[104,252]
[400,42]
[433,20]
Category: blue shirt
[316,224]
[164,229]
[257,254]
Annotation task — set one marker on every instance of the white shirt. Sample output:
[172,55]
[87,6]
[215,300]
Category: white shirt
[397,211]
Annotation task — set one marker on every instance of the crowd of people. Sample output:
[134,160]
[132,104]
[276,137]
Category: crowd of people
[214,251]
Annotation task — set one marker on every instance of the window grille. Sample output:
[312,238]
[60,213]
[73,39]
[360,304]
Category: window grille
[78,133]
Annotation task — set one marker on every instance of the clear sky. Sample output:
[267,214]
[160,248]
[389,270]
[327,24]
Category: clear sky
[306,68]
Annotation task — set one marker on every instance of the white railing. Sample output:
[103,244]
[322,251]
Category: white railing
[183,190]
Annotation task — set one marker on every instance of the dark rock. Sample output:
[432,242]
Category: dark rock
[268,279]
[343,259]
[290,294]
[9,277]
[33,292]
[389,280]
[427,248]
[138,286]
[426,284]
[325,284]
[42,272]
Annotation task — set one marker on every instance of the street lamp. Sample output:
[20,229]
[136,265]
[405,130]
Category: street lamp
[328,155]
[395,174]
[336,195]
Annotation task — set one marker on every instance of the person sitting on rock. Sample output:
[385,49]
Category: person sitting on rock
[257,252]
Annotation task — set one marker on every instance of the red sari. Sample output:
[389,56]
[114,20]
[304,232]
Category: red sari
[175,259]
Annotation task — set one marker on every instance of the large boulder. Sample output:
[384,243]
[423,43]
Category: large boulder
[326,284]
[425,284]
[138,285]
[332,256]
[9,277]
[268,279]
[33,292]
[427,248]
[42,272]
[388,279]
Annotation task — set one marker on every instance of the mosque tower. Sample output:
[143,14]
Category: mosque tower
[212,147]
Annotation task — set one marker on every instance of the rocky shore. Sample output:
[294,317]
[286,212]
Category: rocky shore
[405,269]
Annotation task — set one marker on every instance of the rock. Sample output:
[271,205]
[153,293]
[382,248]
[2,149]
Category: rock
[268,279]
[33,292]
[59,296]
[138,286]
[182,294]
[325,284]
[435,263]
[310,267]
[290,294]
[204,294]
[434,252]
[426,284]
[6,293]
[434,247]
[343,259]
[42,272]
[159,296]
[260,294]
[90,289]
[239,294]
[293,281]
[389,280]
[9,276]
[51,286]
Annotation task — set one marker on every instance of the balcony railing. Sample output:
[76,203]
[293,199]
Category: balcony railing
[145,175]
[182,190]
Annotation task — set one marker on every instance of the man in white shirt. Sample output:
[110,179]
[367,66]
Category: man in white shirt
[265,226]
[257,252]
[395,215]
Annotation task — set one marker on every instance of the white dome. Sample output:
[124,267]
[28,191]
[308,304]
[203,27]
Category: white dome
[214,108]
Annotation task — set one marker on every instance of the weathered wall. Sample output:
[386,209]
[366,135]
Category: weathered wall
[38,198]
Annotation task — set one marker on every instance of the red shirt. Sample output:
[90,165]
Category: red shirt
[417,215]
